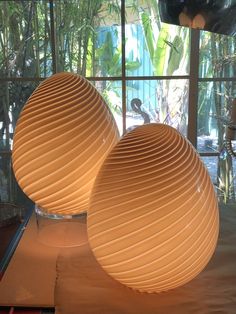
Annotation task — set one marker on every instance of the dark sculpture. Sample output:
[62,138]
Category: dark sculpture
[218,16]
[136,107]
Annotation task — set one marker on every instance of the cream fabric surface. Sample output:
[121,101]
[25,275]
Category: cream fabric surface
[83,287]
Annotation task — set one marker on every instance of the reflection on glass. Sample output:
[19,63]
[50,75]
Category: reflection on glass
[152,47]
[217,55]
[11,218]
[88,36]
[164,101]
[214,107]
[25,49]
[111,91]
[211,15]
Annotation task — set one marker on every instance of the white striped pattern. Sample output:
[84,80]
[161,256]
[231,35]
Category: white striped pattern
[153,217]
[64,132]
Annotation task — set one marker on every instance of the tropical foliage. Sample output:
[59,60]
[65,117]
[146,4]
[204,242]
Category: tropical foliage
[217,60]
[168,48]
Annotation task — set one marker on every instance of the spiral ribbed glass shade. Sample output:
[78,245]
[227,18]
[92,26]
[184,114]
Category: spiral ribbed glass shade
[153,217]
[64,132]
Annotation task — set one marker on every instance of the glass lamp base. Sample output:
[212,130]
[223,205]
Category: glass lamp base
[61,231]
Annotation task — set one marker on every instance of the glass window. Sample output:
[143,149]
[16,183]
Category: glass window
[153,47]
[13,96]
[149,83]
[88,37]
[5,178]
[111,91]
[217,55]
[25,39]
[164,101]
[214,108]
[211,163]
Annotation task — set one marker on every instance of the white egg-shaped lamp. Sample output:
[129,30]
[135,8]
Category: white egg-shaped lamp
[62,136]
[153,219]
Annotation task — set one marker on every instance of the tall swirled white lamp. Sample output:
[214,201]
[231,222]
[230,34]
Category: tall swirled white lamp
[62,136]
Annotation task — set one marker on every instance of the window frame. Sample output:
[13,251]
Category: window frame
[193,77]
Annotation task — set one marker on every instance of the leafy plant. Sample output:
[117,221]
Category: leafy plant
[168,53]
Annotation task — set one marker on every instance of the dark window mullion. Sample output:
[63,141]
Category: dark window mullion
[123,70]
[193,87]
[53,35]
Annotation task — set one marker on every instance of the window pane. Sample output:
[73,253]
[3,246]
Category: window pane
[222,171]
[111,91]
[13,96]
[214,107]
[25,41]
[88,35]
[211,165]
[152,47]
[5,177]
[217,55]
[10,192]
[164,101]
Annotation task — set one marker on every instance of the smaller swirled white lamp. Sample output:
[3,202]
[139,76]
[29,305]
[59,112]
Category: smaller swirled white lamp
[62,136]
[153,218]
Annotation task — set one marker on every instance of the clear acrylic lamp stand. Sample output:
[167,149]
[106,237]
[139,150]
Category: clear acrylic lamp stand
[61,230]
